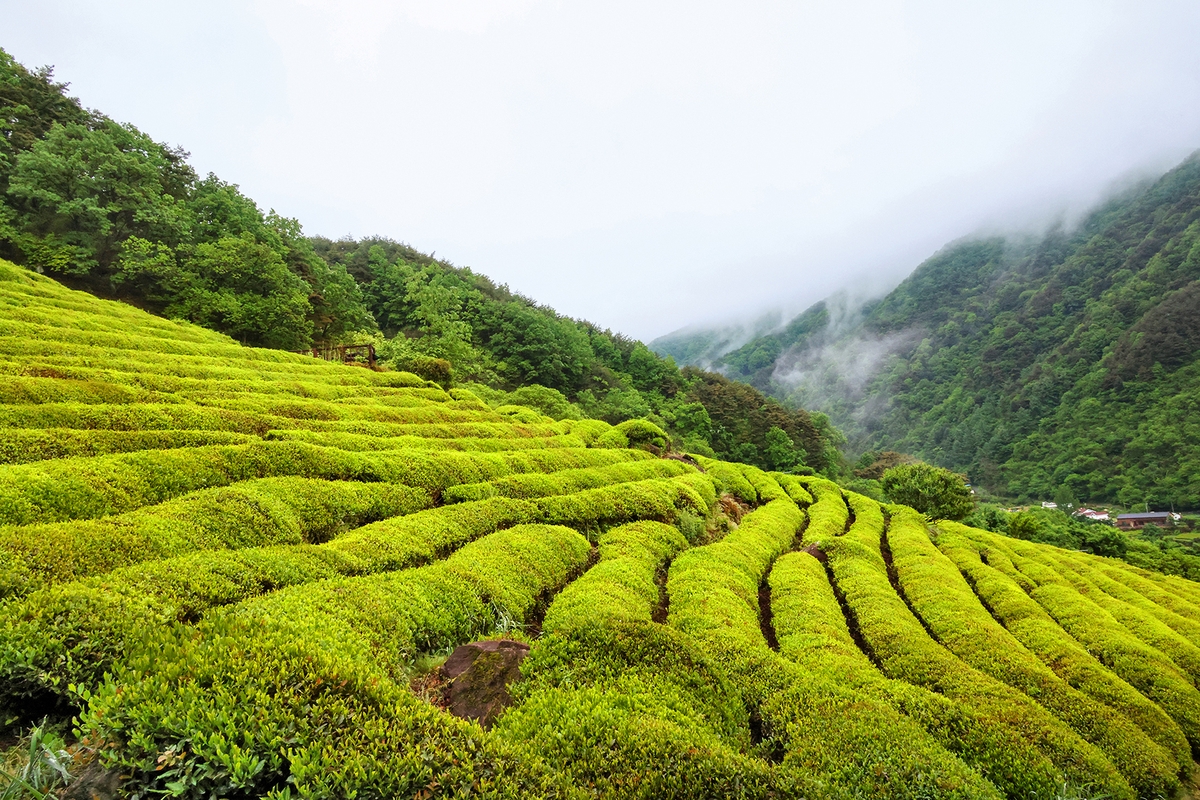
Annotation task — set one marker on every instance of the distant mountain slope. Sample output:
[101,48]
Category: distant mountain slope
[1029,363]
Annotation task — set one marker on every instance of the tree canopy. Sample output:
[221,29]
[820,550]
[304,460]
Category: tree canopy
[936,492]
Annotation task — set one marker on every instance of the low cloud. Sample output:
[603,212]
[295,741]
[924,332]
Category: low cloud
[837,374]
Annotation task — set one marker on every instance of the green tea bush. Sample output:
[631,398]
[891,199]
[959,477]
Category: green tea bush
[84,488]
[635,710]
[1010,730]
[566,481]
[715,587]
[247,514]
[328,657]
[638,433]
[375,435]
[23,445]
[74,633]
[1150,589]
[1012,606]
[389,619]
[661,499]
[1146,669]
[404,542]
[20,389]
[729,479]
[526,416]
[829,515]
[794,488]
[490,444]
[819,726]
[228,710]
[134,418]
[952,613]
[848,720]
[590,430]
[765,485]
[621,586]
[1134,613]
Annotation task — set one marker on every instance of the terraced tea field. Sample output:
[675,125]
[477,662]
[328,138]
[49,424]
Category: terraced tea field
[236,569]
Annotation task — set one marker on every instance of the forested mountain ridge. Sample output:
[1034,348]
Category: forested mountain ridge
[1030,363]
[101,206]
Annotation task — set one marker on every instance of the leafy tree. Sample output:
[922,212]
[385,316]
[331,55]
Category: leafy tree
[934,491]
[1064,498]
[31,102]
[81,191]
[872,464]
[780,451]
[235,285]
[690,421]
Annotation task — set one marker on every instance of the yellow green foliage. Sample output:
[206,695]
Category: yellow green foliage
[230,564]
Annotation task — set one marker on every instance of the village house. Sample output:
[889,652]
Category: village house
[1133,522]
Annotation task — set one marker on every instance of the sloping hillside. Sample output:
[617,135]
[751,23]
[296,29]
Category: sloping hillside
[103,207]
[238,569]
[1031,364]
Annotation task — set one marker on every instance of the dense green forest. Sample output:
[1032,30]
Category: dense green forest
[103,207]
[1063,364]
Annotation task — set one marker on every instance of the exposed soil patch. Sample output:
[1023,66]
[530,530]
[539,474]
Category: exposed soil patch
[431,687]
[816,552]
[95,783]
[733,508]
[664,599]
[477,677]
[685,458]
[847,612]
[885,550]
[766,618]
[849,516]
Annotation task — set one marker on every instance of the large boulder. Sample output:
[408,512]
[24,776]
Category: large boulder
[479,674]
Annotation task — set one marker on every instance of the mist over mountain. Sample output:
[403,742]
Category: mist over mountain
[1028,361]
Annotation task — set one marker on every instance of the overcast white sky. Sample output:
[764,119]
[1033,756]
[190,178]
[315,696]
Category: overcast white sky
[647,165]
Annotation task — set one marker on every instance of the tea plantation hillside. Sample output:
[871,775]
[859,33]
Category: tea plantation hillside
[237,570]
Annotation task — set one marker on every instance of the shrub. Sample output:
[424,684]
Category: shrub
[566,481]
[818,726]
[20,446]
[621,586]
[248,514]
[935,492]
[73,633]
[323,662]
[634,709]
[593,510]
[728,478]
[1145,668]
[84,488]
[1004,743]
[1025,619]
[950,610]
[828,515]
[143,417]
[1144,620]
[795,489]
